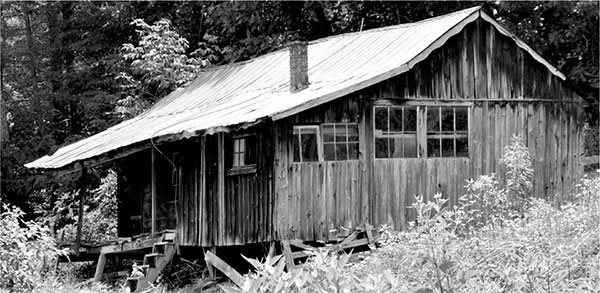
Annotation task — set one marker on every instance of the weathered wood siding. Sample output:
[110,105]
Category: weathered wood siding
[248,197]
[219,208]
[508,93]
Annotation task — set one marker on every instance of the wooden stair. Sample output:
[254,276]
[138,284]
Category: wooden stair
[154,262]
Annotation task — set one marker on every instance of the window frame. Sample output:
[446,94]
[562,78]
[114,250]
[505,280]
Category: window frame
[395,134]
[441,134]
[246,168]
[297,137]
[334,142]
[421,123]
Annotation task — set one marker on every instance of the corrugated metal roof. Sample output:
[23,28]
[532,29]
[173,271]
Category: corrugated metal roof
[249,91]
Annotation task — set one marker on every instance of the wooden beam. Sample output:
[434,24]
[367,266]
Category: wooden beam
[221,188]
[100,267]
[82,192]
[153,190]
[287,252]
[209,266]
[230,272]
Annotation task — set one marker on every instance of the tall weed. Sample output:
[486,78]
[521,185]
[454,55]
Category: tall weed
[27,251]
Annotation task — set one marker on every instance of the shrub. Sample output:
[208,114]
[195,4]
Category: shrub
[28,251]
[486,244]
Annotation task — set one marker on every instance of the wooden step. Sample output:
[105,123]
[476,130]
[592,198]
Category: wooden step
[169,237]
[160,247]
[151,259]
[144,269]
[136,284]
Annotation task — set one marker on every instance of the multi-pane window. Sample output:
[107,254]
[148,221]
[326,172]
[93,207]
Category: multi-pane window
[395,132]
[447,132]
[244,151]
[421,131]
[306,143]
[340,141]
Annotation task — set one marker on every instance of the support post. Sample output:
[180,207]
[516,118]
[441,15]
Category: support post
[100,267]
[221,190]
[153,190]
[209,265]
[82,193]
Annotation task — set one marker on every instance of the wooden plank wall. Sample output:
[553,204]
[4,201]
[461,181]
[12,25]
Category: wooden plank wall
[248,197]
[510,93]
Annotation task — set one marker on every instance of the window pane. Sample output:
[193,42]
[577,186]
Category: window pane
[296,148]
[433,116]
[410,119]
[250,156]
[433,147]
[381,118]
[381,147]
[327,133]
[353,151]
[461,119]
[462,147]
[352,132]
[396,147]
[410,146]
[447,119]
[447,147]
[309,147]
[340,133]
[236,159]
[396,119]
[329,151]
[236,145]
[242,144]
[341,151]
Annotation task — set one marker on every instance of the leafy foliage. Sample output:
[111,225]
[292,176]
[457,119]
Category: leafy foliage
[100,213]
[482,245]
[28,251]
[159,63]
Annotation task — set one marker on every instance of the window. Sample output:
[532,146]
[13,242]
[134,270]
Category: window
[244,151]
[306,143]
[447,132]
[421,131]
[327,142]
[340,141]
[396,132]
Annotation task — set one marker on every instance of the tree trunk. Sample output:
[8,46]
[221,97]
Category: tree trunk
[35,96]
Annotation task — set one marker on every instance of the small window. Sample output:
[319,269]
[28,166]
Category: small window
[340,141]
[306,143]
[447,132]
[244,151]
[395,132]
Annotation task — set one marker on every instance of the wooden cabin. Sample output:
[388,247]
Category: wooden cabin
[337,132]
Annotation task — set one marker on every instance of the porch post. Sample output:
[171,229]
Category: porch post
[221,190]
[82,192]
[153,192]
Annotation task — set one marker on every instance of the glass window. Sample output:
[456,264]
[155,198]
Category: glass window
[340,141]
[244,151]
[396,132]
[447,132]
[305,143]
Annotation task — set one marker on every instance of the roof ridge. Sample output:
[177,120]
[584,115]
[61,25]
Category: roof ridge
[397,26]
[373,30]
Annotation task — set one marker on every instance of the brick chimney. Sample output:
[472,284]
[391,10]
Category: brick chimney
[298,66]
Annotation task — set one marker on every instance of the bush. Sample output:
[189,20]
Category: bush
[497,240]
[28,251]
